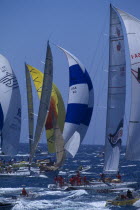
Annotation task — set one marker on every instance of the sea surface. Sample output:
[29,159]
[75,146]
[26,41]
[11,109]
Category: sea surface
[43,198]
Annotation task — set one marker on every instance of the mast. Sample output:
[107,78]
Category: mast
[45,99]
[30,107]
[116,94]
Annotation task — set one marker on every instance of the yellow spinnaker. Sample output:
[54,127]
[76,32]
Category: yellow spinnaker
[56,106]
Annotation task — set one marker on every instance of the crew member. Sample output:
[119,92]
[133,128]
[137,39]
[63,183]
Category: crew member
[85,180]
[102,177]
[56,179]
[129,194]
[24,192]
[118,176]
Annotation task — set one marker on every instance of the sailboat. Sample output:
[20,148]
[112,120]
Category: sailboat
[79,109]
[10,109]
[130,34]
[43,107]
[116,95]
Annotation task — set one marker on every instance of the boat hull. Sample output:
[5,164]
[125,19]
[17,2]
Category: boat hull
[122,202]
[97,187]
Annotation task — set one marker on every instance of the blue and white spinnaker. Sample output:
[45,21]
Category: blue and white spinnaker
[80,104]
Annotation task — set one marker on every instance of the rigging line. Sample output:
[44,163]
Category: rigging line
[103,64]
[98,42]
[97,106]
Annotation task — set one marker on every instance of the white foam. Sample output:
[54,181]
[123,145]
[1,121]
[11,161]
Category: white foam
[128,166]
[137,203]
[99,205]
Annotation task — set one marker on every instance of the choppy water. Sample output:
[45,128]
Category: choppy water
[43,198]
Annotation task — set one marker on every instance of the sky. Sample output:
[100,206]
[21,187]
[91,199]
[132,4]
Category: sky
[79,26]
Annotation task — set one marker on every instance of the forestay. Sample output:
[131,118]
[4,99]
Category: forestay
[116,94]
[45,99]
[132,28]
[10,100]
[80,104]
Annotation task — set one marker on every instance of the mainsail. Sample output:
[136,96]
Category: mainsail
[30,106]
[80,104]
[45,99]
[10,100]
[132,29]
[56,106]
[116,94]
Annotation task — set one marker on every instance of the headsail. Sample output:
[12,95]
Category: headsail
[45,99]
[30,106]
[56,106]
[132,27]
[80,104]
[59,143]
[10,108]
[116,94]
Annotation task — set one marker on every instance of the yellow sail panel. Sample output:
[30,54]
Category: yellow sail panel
[37,77]
[56,106]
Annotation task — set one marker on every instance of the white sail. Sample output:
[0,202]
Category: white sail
[10,108]
[80,104]
[30,106]
[132,28]
[116,94]
[45,99]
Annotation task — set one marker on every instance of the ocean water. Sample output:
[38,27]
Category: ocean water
[43,198]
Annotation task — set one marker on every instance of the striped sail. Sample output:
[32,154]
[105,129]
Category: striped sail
[132,27]
[30,106]
[56,106]
[80,104]
[116,94]
[45,99]
[10,100]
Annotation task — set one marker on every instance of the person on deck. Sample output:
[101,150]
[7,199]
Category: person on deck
[72,180]
[24,192]
[56,179]
[102,177]
[118,176]
[129,194]
[79,179]
[61,181]
[85,180]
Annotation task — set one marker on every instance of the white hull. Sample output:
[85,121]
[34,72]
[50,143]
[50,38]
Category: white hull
[97,187]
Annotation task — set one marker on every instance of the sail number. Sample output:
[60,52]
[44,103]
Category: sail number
[74,89]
